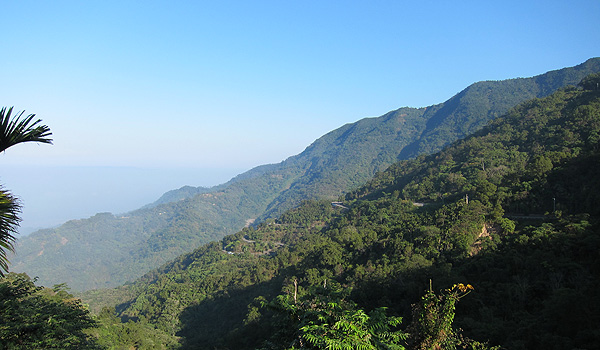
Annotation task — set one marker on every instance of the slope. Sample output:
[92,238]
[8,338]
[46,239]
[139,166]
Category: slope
[108,250]
[535,276]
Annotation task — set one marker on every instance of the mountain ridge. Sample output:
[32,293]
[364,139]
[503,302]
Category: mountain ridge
[337,162]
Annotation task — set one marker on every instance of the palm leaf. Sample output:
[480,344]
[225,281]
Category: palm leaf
[9,222]
[14,130]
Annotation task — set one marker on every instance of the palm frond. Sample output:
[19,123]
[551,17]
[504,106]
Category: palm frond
[14,130]
[9,222]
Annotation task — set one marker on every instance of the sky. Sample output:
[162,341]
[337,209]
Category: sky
[147,96]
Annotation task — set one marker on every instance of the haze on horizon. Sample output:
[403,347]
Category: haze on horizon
[147,97]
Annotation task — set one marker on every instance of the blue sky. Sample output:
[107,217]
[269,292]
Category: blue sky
[147,96]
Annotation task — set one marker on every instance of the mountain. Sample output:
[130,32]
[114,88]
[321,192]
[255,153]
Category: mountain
[180,194]
[108,250]
[512,210]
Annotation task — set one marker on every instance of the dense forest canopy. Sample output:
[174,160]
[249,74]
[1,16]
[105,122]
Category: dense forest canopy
[33,317]
[497,235]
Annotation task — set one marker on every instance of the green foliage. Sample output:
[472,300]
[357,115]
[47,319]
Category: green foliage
[591,82]
[14,130]
[9,221]
[474,107]
[113,334]
[432,325]
[324,319]
[34,317]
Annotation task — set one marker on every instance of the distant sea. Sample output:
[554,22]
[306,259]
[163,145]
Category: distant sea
[52,195]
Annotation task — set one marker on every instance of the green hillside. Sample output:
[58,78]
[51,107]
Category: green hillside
[108,250]
[481,102]
[511,210]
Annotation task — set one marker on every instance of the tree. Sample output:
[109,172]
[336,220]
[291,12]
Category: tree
[9,221]
[431,328]
[326,319]
[14,130]
[591,82]
[33,317]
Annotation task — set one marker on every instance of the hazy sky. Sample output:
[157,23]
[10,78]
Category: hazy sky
[147,96]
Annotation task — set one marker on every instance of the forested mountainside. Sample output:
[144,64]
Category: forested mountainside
[506,219]
[481,102]
[181,194]
[107,250]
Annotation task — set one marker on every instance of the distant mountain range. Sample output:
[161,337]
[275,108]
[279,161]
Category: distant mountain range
[106,250]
